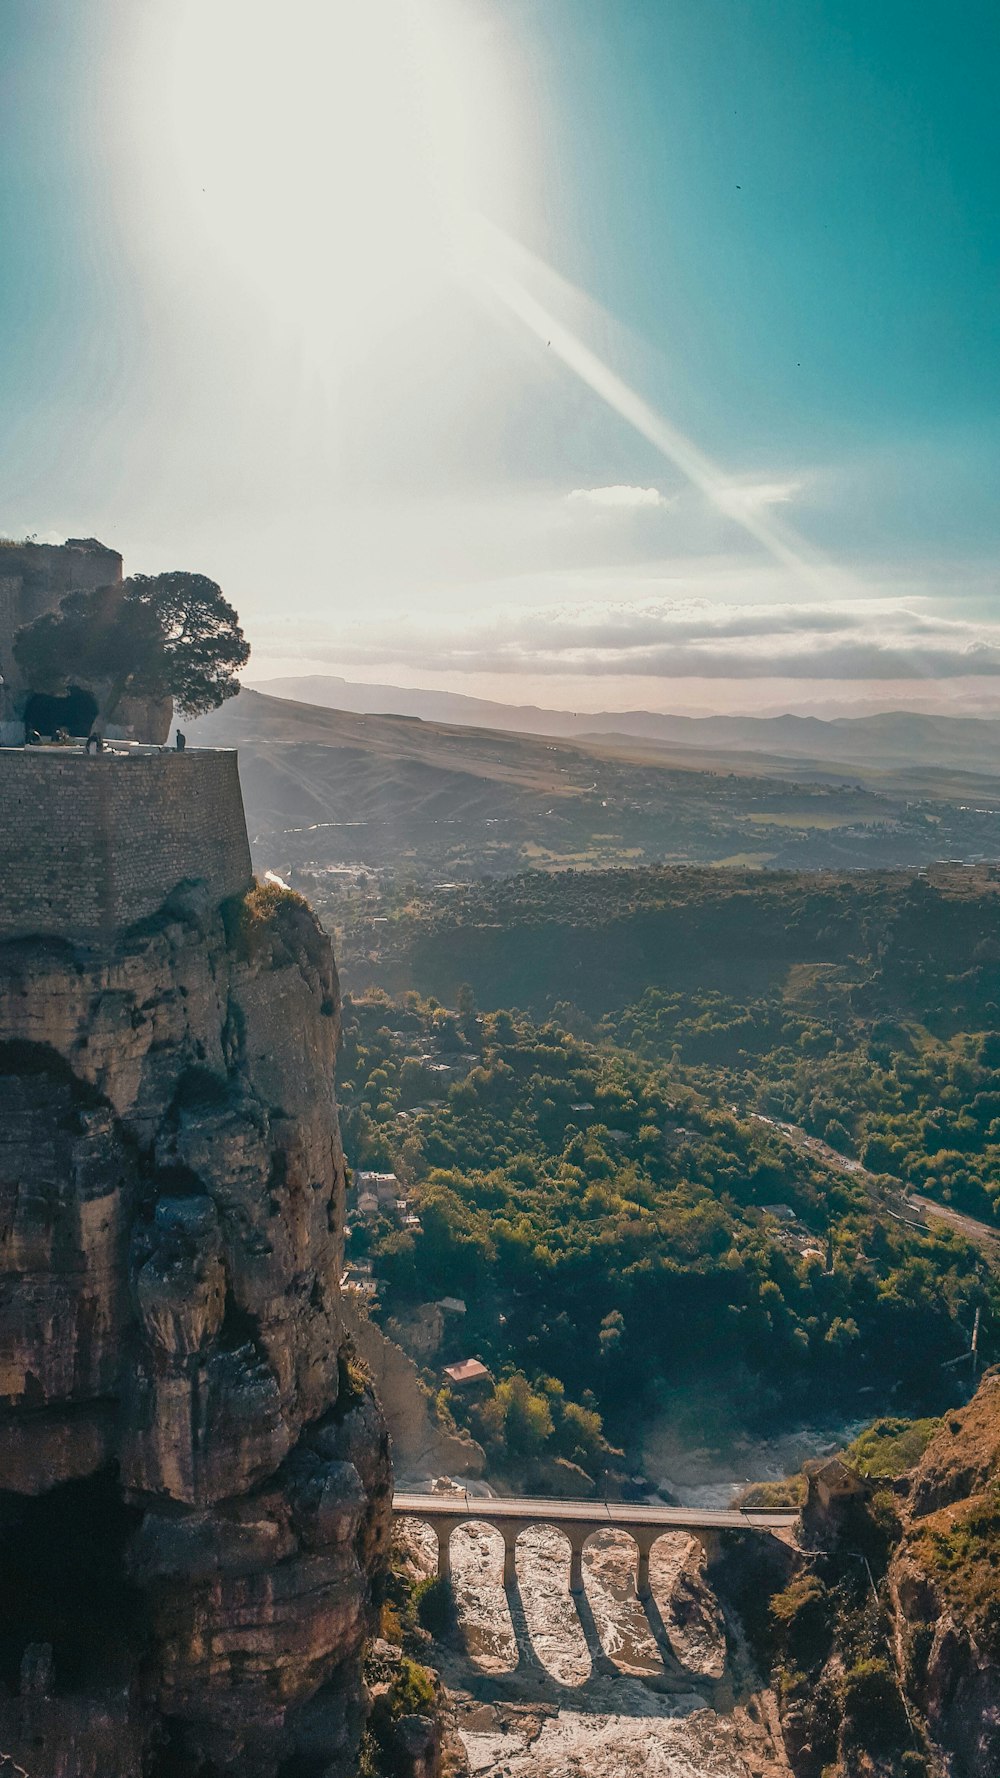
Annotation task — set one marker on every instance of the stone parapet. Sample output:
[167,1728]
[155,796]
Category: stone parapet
[91,843]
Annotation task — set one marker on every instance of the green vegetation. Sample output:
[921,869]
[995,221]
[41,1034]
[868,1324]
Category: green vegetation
[802,1620]
[874,1714]
[434,1604]
[609,1223]
[412,1690]
[964,1558]
[271,919]
[404,1688]
[862,1008]
[827,1638]
[889,1447]
[659,1131]
[156,636]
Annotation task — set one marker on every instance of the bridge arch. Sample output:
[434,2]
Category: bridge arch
[480,1521]
[642,1541]
[574,1538]
[444,1527]
[578,1520]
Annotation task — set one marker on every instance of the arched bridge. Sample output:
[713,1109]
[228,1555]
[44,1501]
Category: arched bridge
[579,1519]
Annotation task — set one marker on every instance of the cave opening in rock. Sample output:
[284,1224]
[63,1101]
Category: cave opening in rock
[76,712]
[64,1587]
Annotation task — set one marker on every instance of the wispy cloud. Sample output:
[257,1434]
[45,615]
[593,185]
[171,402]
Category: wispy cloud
[620,497]
[744,497]
[862,640]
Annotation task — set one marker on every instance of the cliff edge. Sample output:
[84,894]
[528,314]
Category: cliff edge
[195,1487]
[944,1581]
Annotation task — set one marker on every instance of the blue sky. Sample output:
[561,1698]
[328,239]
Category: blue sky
[705,414]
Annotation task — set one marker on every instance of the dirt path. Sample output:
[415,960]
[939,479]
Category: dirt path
[976,1231]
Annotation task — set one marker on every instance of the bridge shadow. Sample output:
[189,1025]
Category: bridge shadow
[551,1661]
[643,1694]
[529,1662]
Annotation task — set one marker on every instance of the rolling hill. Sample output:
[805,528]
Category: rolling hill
[331,788]
[892,738]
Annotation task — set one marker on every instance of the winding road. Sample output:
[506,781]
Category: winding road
[920,1208]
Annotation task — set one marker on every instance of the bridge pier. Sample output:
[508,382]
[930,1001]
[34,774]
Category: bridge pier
[444,1551]
[710,1540]
[642,1575]
[644,1543]
[578,1520]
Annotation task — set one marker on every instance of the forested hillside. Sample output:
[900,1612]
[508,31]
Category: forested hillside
[595,1174]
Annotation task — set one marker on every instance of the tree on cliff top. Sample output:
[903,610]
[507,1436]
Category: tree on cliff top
[156,636]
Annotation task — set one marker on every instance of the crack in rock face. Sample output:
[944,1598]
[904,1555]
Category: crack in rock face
[195,1489]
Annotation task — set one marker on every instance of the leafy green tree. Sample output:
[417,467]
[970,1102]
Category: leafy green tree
[517,1417]
[97,638]
[203,645]
[157,636]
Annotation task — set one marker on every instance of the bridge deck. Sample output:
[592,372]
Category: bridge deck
[620,1513]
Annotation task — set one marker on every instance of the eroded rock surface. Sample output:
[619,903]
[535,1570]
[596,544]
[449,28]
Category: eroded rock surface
[943,1585]
[194,1479]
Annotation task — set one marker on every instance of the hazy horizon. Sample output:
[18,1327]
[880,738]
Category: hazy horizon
[950,698]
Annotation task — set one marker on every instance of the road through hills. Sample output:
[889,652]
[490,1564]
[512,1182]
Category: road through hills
[921,1208]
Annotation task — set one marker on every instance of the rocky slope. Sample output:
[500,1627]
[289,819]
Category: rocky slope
[884,1631]
[944,1581]
[194,1476]
[422,1447]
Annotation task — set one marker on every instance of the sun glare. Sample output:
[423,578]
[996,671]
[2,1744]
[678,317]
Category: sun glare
[325,154]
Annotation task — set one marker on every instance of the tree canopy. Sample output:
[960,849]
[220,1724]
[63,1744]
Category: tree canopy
[157,636]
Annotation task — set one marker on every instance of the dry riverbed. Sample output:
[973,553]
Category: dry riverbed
[544,1685]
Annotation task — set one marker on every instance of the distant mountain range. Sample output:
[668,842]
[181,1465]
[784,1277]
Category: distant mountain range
[893,738]
[330,788]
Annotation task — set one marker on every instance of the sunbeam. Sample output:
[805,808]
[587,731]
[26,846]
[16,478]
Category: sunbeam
[496,265]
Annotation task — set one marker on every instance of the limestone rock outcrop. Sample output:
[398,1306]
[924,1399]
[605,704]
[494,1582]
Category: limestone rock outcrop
[944,1588]
[195,1486]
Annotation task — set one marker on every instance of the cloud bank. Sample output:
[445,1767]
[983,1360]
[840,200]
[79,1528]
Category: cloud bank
[867,640]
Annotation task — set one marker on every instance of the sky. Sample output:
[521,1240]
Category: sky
[602,354]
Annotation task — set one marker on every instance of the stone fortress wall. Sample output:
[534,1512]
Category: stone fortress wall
[91,843]
[34,577]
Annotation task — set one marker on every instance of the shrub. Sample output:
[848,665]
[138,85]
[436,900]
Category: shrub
[874,1718]
[249,918]
[412,1690]
[889,1447]
[354,1381]
[434,1603]
[801,1616]
[964,1559]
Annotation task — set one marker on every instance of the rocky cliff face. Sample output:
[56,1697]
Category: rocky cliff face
[194,1477]
[944,1581]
